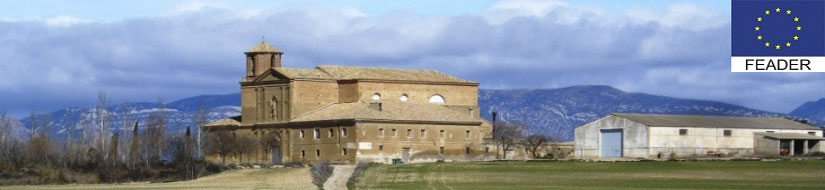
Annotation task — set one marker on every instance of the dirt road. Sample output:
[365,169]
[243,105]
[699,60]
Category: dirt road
[339,178]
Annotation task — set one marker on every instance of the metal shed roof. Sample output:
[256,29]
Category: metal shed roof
[664,120]
[798,136]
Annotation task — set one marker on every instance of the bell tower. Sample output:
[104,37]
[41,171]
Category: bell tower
[262,57]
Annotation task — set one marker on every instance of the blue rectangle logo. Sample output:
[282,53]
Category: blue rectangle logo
[778,28]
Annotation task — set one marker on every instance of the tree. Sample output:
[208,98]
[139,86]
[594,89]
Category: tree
[506,135]
[182,145]
[39,145]
[102,116]
[126,121]
[183,150]
[134,147]
[270,141]
[534,142]
[113,150]
[245,145]
[155,134]
[221,143]
[5,136]
[7,139]
[201,120]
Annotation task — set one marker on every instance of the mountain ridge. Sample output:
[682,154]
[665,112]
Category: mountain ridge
[554,112]
[557,112]
[812,110]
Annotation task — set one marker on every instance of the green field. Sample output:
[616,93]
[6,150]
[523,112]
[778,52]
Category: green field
[601,175]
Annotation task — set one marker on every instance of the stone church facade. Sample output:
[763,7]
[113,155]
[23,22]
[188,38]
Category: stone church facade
[354,114]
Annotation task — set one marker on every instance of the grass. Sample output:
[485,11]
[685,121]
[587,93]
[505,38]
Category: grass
[274,178]
[601,175]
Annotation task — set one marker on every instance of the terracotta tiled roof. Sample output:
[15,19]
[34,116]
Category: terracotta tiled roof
[331,72]
[263,47]
[389,111]
[345,73]
[663,120]
[303,73]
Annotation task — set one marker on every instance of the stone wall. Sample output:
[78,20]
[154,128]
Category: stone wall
[377,147]
[330,144]
[454,95]
[311,95]
[665,142]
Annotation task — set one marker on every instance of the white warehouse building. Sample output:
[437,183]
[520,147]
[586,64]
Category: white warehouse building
[665,136]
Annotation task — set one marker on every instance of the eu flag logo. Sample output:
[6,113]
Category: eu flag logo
[788,29]
[778,28]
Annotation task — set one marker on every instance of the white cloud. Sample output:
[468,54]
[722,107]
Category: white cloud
[196,49]
[352,12]
[64,20]
[196,5]
[505,10]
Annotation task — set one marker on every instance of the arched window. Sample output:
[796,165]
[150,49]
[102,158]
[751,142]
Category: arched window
[404,98]
[437,99]
[273,112]
[376,97]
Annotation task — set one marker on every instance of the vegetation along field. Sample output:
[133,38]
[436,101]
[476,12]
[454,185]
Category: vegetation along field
[275,178]
[602,175]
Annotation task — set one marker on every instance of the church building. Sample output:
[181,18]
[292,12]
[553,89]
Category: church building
[351,114]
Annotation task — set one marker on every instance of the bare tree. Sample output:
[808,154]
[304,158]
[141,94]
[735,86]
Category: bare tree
[155,134]
[102,116]
[201,120]
[535,141]
[221,143]
[270,141]
[6,138]
[5,129]
[126,121]
[134,147]
[84,130]
[113,149]
[182,147]
[245,145]
[506,135]
[39,145]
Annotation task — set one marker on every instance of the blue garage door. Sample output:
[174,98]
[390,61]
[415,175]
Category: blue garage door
[611,143]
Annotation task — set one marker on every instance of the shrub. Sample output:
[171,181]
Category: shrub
[672,157]
[321,172]
[293,165]
[426,155]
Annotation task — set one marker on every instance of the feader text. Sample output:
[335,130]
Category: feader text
[777,64]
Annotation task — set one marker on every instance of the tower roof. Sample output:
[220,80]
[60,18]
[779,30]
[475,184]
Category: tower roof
[263,47]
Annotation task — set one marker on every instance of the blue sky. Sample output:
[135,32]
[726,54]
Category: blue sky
[56,54]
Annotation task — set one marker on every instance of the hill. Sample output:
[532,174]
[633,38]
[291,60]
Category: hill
[558,111]
[550,111]
[813,111]
[179,114]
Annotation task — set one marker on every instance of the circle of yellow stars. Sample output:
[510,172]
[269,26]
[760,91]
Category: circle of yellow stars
[779,11]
